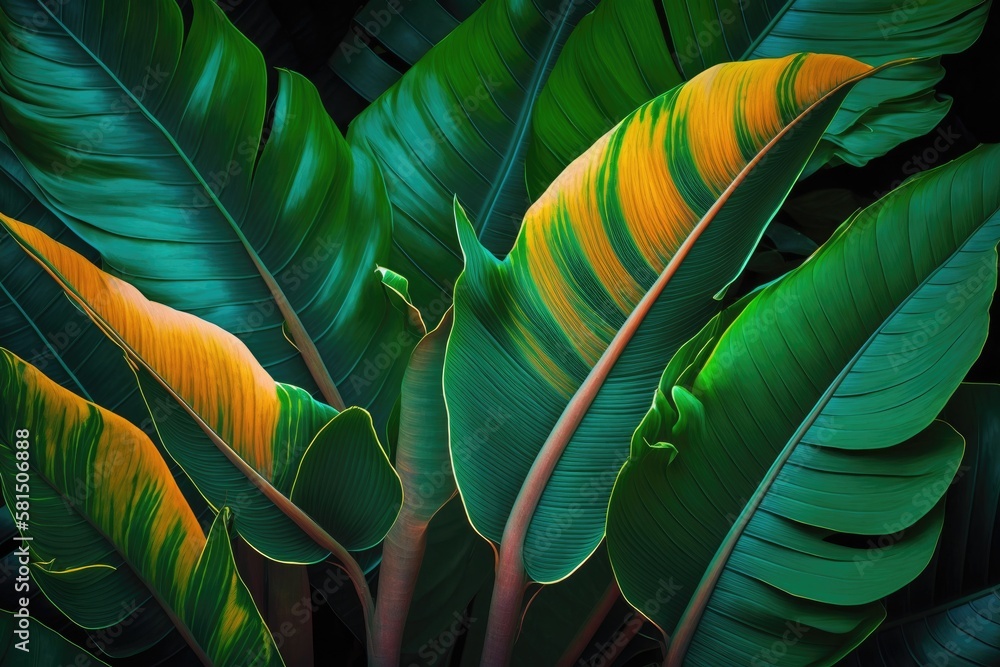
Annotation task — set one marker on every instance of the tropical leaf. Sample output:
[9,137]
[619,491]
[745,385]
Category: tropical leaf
[44,646]
[130,540]
[629,51]
[949,614]
[616,266]
[529,330]
[457,122]
[39,324]
[241,437]
[164,126]
[789,471]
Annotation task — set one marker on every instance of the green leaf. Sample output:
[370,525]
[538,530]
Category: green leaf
[118,116]
[554,349]
[44,646]
[629,51]
[457,122]
[948,615]
[110,530]
[239,435]
[790,469]
[406,28]
[327,490]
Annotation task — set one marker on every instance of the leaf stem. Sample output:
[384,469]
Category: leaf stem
[505,606]
[402,555]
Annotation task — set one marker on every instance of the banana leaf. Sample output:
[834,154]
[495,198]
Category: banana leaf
[949,614]
[120,116]
[789,472]
[629,51]
[553,349]
[244,440]
[109,529]
[39,324]
[457,123]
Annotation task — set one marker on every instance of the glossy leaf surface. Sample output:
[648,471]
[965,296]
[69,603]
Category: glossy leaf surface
[111,530]
[554,349]
[629,51]
[239,435]
[789,470]
[120,116]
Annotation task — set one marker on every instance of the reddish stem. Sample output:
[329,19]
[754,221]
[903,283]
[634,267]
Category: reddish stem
[402,554]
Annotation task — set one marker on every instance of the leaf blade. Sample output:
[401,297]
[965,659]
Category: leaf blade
[105,553]
[824,372]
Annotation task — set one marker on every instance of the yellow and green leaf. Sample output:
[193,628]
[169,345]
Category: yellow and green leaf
[617,264]
[267,225]
[628,51]
[109,528]
[239,435]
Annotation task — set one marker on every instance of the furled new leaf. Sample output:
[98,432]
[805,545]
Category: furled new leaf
[789,471]
[145,138]
[629,51]
[110,529]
